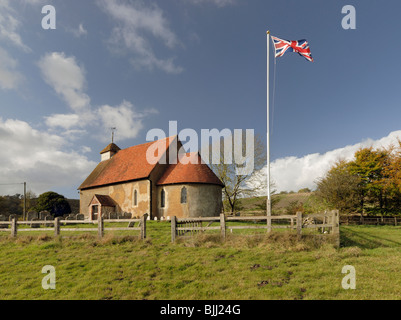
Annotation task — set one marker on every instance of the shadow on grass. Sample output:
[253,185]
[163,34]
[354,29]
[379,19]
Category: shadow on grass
[369,237]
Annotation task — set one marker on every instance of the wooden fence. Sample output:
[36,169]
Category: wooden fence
[57,225]
[357,219]
[323,221]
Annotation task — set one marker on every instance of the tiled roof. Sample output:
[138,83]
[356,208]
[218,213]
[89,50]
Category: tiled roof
[111,147]
[126,165]
[131,164]
[196,171]
[105,201]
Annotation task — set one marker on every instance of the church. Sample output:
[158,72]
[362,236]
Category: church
[126,182]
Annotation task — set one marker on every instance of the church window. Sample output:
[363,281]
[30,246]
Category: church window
[184,195]
[135,198]
[163,199]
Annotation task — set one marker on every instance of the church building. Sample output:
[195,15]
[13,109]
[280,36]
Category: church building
[126,181]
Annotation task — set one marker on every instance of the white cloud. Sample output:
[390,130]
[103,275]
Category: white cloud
[79,31]
[82,30]
[35,2]
[219,3]
[135,23]
[67,78]
[9,25]
[86,149]
[292,173]
[66,121]
[39,158]
[124,117]
[10,78]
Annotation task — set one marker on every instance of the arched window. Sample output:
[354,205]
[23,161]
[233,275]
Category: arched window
[135,198]
[163,199]
[184,195]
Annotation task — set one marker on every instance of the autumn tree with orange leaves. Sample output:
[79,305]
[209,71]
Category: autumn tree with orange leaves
[368,184]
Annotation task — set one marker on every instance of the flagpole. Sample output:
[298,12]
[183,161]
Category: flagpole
[268,200]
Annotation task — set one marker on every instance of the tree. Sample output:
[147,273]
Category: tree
[53,202]
[293,207]
[368,168]
[30,200]
[391,179]
[339,188]
[11,204]
[370,183]
[238,183]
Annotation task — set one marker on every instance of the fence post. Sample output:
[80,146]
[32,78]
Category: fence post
[299,224]
[223,226]
[336,227]
[14,227]
[57,226]
[100,226]
[395,220]
[173,228]
[143,226]
[269,224]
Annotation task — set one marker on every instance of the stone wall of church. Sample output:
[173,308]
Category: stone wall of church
[154,177]
[123,195]
[202,200]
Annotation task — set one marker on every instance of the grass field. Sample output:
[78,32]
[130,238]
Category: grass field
[243,268]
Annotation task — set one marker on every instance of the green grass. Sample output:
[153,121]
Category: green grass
[283,202]
[202,267]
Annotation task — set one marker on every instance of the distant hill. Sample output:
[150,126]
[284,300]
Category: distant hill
[284,201]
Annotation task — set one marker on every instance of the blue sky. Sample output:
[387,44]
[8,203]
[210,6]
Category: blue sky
[138,64]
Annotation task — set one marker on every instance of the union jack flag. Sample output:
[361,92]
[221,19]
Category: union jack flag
[300,46]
